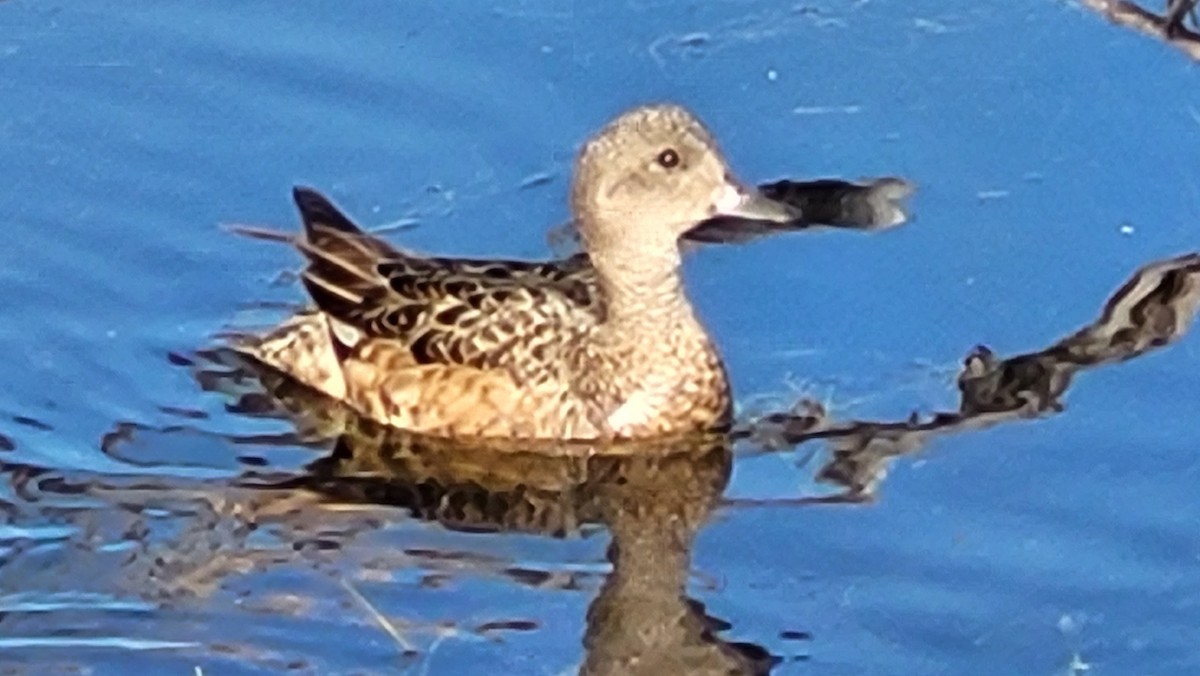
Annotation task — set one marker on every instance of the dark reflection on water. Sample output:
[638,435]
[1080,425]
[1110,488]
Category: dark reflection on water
[104,557]
[1153,308]
[651,497]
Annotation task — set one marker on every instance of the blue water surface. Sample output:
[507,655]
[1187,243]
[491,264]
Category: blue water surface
[1053,154]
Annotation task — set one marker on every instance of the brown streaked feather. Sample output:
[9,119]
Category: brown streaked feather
[300,346]
[443,310]
[383,383]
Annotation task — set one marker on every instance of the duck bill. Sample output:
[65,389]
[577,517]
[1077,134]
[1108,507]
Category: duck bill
[738,201]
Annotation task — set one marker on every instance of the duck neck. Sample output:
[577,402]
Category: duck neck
[642,288]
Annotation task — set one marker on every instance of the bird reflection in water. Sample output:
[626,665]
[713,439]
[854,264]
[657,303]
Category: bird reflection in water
[652,498]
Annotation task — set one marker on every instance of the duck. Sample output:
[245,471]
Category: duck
[603,345]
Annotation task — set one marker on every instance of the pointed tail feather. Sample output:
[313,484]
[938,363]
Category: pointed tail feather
[326,227]
[317,210]
[342,276]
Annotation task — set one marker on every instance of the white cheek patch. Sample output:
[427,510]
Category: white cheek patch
[727,199]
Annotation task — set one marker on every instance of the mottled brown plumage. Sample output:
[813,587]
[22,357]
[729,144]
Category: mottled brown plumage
[597,346]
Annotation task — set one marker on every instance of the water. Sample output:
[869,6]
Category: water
[1051,150]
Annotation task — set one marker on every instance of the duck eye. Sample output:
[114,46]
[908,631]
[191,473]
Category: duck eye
[668,159]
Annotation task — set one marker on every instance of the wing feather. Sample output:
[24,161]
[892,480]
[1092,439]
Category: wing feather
[483,314]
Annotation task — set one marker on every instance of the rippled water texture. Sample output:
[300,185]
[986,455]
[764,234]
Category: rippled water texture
[172,510]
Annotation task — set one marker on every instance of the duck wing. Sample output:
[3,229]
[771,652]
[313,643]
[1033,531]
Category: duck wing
[485,314]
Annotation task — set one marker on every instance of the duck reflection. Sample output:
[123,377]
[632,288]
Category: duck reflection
[652,497]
